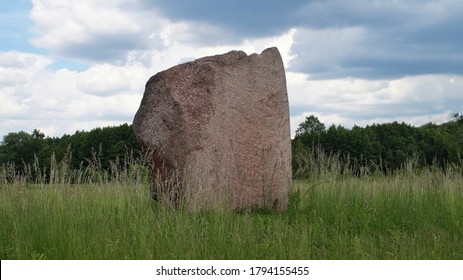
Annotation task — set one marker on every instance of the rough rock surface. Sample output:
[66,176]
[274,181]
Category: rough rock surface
[219,127]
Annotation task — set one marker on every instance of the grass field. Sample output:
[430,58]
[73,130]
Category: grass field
[411,214]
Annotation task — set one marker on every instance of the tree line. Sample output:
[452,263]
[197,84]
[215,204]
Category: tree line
[386,147]
[383,147]
[98,148]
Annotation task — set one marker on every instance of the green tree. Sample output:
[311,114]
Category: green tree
[37,134]
[311,125]
[18,147]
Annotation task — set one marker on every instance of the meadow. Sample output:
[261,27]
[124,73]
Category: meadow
[412,213]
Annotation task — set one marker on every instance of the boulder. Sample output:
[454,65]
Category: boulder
[216,132]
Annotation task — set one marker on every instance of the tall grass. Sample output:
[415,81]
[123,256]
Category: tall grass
[409,214]
[130,169]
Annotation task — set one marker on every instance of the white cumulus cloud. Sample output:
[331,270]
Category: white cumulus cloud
[351,101]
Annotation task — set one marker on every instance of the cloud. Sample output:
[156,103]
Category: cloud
[14,60]
[96,31]
[103,80]
[16,71]
[114,31]
[236,19]
[376,40]
[414,99]
[34,96]
[337,38]
[333,39]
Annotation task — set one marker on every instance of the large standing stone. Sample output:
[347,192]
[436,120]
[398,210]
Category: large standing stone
[219,126]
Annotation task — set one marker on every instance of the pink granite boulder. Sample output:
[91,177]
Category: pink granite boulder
[216,132]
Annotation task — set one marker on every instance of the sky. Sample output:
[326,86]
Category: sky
[67,66]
